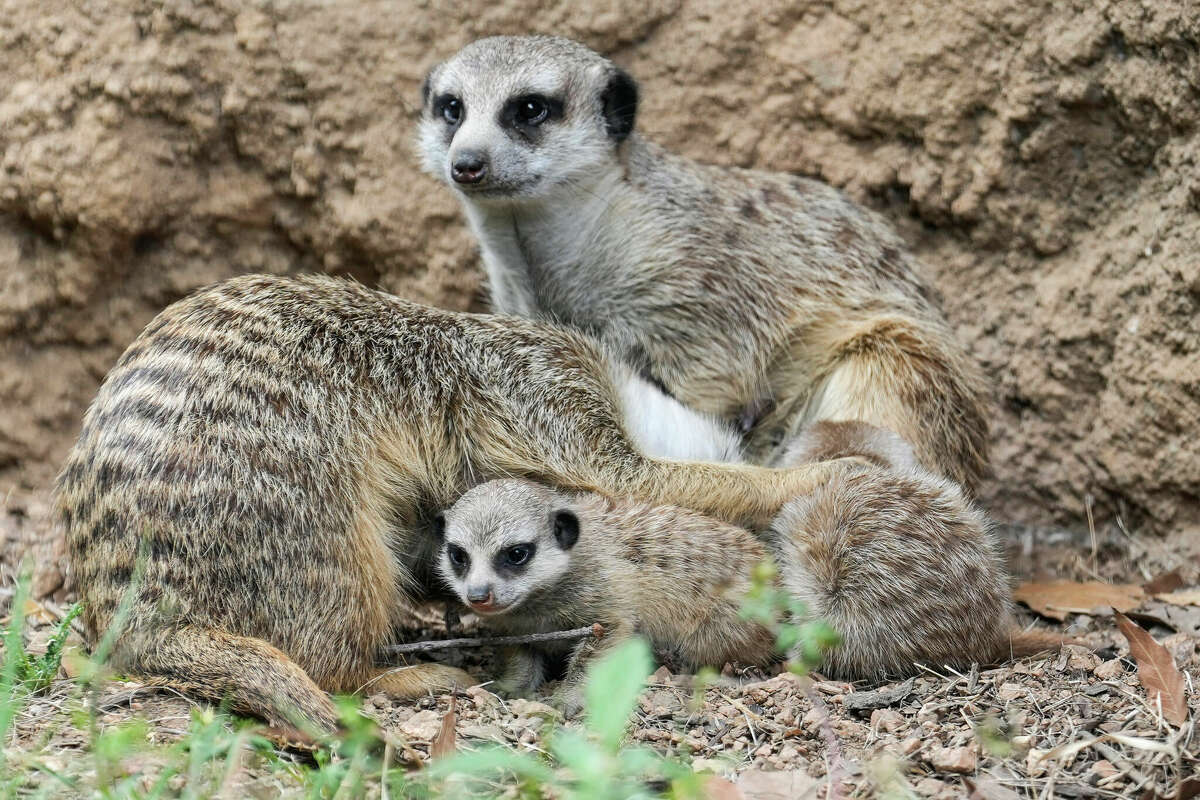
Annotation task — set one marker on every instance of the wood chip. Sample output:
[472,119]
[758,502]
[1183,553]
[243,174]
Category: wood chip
[989,789]
[756,784]
[880,698]
[961,760]
[422,726]
[1110,669]
[716,788]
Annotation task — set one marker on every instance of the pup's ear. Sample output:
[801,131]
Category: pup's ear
[566,529]
[619,101]
[439,526]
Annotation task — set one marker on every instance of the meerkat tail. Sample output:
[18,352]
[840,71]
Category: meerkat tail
[254,677]
[418,680]
[1031,643]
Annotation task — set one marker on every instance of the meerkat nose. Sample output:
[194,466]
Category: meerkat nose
[469,167]
[479,594]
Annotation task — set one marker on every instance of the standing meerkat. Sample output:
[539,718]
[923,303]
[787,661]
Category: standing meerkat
[256,477]
[769,300]
[894,558]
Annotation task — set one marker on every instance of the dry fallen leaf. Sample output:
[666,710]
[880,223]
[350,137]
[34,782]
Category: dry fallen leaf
[1186,597]
[1056,599]
[445,743]
[1165,582]
[1156,670]
[1183,619]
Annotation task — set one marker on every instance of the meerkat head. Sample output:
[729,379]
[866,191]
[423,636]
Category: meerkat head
[504,540]
[512,117]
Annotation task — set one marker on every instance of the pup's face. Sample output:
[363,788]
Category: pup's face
[510,118]
[502,541]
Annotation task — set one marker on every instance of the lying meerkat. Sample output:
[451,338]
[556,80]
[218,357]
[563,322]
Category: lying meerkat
[258,473]
[769,300]
[532,559]
[893,557]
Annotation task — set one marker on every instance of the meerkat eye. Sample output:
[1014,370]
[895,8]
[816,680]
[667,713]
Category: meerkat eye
[458,557]
[532,110]
[518,555]
[450,107]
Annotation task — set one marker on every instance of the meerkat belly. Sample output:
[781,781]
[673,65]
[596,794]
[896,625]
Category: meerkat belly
[662,427]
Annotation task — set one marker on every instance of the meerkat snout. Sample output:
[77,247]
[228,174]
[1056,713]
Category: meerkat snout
[497,125]
[499,546]
[469,167]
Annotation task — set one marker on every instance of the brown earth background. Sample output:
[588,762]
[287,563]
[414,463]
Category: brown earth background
[1041,157]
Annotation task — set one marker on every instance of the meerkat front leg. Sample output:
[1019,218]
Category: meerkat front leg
[524,671]
[570,698]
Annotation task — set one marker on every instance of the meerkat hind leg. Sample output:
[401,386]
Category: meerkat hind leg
[255,677]
[908,389]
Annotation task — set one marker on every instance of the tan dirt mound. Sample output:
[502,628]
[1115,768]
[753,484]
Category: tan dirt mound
[1041,157]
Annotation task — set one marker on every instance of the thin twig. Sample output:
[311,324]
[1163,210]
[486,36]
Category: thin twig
[596,631]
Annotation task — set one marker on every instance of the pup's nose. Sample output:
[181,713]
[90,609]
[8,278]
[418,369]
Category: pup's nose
[479,594]
[469,168]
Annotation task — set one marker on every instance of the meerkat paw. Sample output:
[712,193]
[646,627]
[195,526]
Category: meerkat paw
[570,700]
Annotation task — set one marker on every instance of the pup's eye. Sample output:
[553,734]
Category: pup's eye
[518,555]
[452,110]
[532,111]
[458,557]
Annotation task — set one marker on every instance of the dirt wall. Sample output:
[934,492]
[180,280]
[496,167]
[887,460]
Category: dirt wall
[1040,156]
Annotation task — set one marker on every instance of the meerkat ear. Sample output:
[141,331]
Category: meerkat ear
[619,99]
[439,526]
[427,87]
[566,529]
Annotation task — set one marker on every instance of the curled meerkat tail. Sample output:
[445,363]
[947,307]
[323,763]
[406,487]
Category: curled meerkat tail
[256,678]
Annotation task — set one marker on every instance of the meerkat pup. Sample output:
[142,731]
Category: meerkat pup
[894,558]
[248,505]
[531,559]
[769,300]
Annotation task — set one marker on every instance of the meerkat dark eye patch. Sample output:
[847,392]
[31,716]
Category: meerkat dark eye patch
[514,558]
[459,560]
[449,108]
[566,529]
[530,110]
